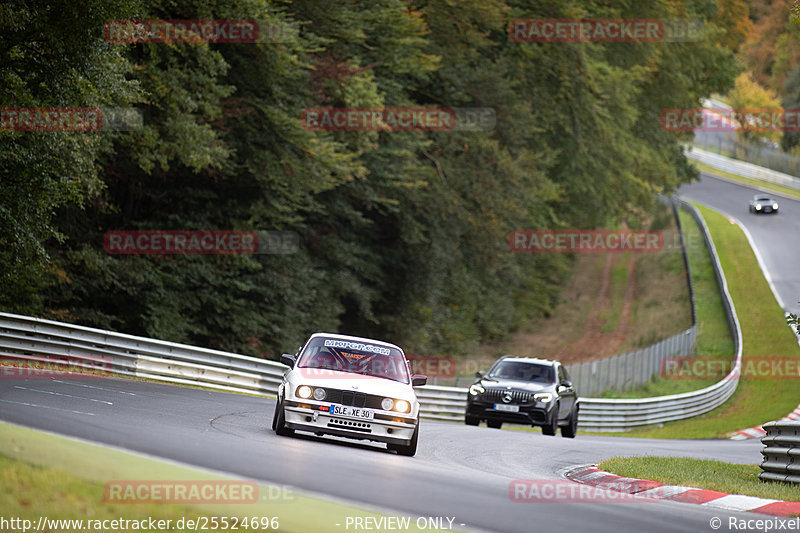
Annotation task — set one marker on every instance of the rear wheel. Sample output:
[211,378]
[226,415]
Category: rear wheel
[409,449]
[571,429]
[552,427]
[496,424]
[472,420]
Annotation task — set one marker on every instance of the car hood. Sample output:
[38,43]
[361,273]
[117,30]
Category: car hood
[333,379]
[529,386]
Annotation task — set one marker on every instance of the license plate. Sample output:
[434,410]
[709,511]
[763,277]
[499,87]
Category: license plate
[507,408]
[352,412]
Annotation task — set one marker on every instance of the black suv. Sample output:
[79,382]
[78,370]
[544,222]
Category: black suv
[524,390]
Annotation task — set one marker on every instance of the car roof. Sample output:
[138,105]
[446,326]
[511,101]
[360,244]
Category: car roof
[761,197]
[520,359]
[357,339]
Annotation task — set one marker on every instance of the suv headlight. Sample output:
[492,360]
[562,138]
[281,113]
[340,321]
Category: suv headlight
[476,389]
[304,391]
[544,397]
[758,206]
[775,206]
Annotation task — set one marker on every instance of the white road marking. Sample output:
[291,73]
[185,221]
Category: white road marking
[93,387]
[62,394]
[738,502]
[47,407]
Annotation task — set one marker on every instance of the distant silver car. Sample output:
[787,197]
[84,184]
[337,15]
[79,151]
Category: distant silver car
[762,203]
[350,387]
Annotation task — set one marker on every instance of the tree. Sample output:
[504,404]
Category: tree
[750,98]
[791,101]
[52,55]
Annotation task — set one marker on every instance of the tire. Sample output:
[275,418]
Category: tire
[410,449]
[571,429]
[496,424]
[551,428]
[472,420]
[279,422]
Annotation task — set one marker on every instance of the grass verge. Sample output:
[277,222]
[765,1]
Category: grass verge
[702,474]
[62,478]
[713,336]
[773,187]
[759,397]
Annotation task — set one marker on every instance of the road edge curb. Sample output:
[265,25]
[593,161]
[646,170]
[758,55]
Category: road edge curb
[592,475]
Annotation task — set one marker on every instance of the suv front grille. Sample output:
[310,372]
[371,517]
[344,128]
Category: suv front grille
[517,397]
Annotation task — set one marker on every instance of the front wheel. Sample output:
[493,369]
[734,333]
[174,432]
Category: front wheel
[552,427]
[571,429]
[472,420]
[409,449]
[496,424]
[279,422]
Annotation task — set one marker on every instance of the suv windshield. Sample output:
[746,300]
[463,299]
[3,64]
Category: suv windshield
[357,357]
[520,371]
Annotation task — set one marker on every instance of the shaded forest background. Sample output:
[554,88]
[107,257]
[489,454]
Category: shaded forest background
[403,235]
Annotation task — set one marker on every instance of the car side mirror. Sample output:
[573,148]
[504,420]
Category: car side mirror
[418,380]
[565,384]
[479,374]
[288,360]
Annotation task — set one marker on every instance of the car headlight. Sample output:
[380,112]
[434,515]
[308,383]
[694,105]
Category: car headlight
[758,206]
[304,391]
[402,406]
[320,394]
[476,389]
[387,404]
[544,397]
[775,206]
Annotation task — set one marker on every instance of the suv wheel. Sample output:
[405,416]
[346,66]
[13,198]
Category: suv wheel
[571,429]
[552,427]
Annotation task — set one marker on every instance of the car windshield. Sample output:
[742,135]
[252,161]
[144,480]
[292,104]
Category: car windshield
[356,357]
[762,199]
[520,371]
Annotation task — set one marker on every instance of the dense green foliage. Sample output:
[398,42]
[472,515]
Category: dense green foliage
[403,235]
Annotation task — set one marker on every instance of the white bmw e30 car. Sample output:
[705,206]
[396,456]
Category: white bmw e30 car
[350,387]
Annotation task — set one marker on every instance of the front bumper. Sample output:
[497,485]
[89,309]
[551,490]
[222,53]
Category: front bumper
[535,414]
[385,427]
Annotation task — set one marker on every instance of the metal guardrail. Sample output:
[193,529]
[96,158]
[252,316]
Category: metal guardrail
[49,343]
[631,369]
[748,170]
[782,452]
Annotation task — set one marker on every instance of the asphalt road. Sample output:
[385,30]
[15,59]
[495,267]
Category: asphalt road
[458,471]
[777,236]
